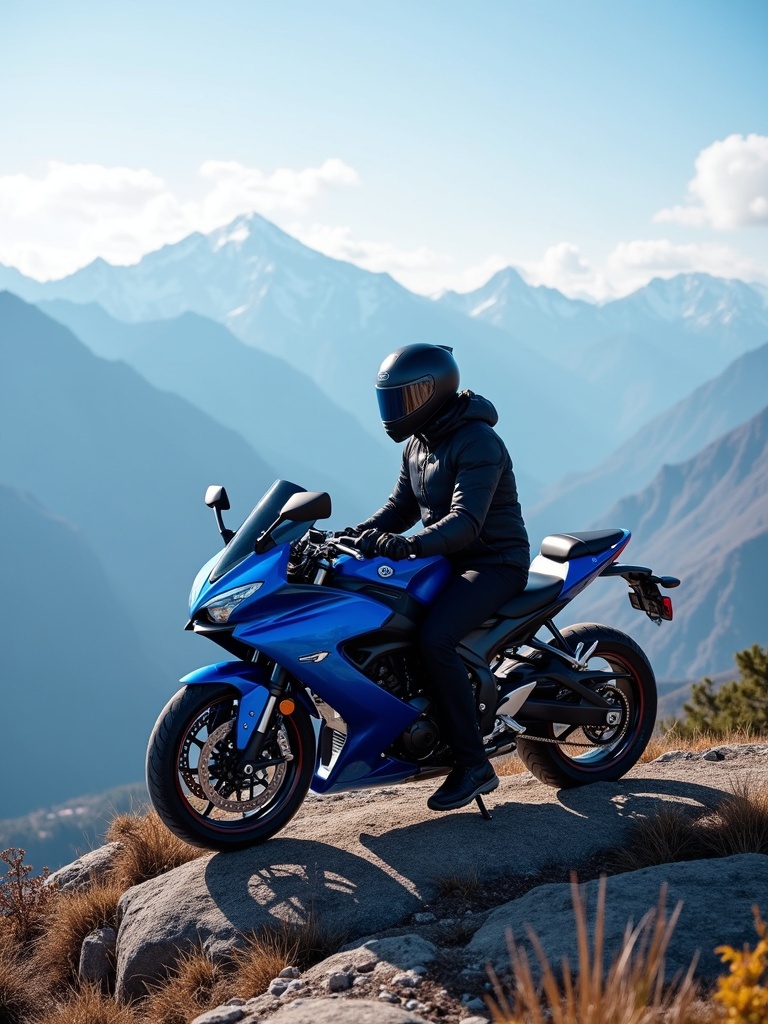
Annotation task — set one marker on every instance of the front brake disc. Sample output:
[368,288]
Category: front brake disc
[218,754]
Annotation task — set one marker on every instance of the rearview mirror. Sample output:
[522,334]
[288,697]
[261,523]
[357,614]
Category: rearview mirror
[302,507]
[307,506]
[216,497]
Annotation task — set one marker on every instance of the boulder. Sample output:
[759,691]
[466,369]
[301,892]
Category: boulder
[400,953]
[81,872]
[213,902]
[337,1011]
[97,957]
[717,898]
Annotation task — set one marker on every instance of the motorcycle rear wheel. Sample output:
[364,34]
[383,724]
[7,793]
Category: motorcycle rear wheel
[565,767]
[192,780]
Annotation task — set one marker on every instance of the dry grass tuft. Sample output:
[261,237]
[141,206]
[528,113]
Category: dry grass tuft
[739,824]
[88,1006]
[16,985]
[671,835]
[631,992]
[57,951]
[198,983]
[459,886]
[509,765]
[697,744]
[269,950]
[149,849]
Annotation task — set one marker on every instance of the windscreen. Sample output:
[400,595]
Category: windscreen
[262,516]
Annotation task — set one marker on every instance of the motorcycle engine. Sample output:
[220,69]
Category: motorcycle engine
[397,672]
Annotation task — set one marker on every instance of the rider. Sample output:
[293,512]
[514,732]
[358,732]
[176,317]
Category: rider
[456,476]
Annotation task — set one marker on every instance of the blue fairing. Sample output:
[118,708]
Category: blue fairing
[288,623]
[422,578]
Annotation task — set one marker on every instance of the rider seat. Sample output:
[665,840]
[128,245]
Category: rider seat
[563,546]
[540,591]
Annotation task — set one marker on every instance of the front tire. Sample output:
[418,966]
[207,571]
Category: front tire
[565,767]
[193,782]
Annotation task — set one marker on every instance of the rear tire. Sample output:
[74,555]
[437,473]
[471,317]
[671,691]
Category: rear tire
[181,781]
[566,767]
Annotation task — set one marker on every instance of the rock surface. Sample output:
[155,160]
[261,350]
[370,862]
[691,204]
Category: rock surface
[81,872]
[97,957]
[365,861]
[396,953]
[335,1011]
[717,897]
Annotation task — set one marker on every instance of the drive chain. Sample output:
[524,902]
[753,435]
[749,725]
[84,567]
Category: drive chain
[584,746]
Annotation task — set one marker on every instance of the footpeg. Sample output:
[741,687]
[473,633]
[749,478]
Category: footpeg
[511,724]
[483,809]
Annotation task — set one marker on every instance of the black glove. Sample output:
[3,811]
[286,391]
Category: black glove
[366,542]
[395,547]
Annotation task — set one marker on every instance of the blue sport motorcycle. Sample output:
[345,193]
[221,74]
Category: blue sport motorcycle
[326,689]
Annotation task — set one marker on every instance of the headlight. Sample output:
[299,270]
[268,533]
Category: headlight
[222,607]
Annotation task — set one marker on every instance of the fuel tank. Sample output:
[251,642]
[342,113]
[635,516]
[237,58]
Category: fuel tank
[422,578]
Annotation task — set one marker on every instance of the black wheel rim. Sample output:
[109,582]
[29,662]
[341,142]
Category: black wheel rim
[610,749]
[213,792]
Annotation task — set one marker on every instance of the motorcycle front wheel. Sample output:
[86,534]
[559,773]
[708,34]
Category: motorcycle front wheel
[566,755]
[194,781]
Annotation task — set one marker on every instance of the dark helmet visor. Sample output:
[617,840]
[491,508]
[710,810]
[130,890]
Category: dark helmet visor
[396,403]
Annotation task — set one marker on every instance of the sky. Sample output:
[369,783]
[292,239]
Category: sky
[593,145]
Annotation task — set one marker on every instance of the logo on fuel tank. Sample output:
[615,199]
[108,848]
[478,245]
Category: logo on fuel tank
[385,571]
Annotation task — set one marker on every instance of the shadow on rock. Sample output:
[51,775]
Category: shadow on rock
[212,902]
[524,838]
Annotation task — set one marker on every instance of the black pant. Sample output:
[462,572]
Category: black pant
[469,599]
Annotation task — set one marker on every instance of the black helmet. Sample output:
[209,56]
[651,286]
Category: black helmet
[413,385]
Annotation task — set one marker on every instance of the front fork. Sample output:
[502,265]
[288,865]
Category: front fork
[278,686]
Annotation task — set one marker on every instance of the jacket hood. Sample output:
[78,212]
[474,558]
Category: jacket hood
[462,408]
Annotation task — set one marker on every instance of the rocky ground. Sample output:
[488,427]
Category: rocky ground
[426,900]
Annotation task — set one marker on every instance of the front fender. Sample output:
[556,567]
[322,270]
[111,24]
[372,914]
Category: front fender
[253,685]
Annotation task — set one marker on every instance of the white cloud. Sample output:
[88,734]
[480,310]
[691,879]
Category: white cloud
[238,189]
[730,188]
[421,269]
[565,268]
[54,223]
[338,242]
[632,264]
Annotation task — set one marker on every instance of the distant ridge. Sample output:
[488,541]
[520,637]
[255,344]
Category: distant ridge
[673,436]
[706,521]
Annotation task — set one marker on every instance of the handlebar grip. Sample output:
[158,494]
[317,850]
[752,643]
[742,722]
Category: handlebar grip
[347,549]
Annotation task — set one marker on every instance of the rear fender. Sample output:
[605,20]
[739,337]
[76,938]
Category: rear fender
[252,683]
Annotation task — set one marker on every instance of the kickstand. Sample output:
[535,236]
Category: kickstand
[483,809]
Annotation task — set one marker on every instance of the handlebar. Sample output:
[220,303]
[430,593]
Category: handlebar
[346,549]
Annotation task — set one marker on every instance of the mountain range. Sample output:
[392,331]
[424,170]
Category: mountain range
[125,463]
[645,351]
[571,380]
[72,663]
[273,406]
[329,320]
[704,520]
[674,435]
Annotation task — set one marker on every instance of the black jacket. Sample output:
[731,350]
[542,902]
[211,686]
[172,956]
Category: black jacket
[457,478]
